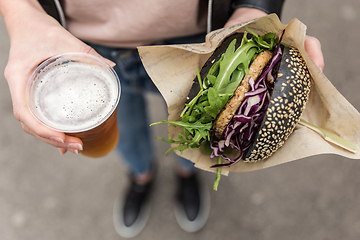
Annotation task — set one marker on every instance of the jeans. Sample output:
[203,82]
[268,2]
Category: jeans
[135,143]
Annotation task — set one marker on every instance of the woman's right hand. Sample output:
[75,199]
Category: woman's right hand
[35,37]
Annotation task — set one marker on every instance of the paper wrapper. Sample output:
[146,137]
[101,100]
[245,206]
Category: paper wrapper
[172,68]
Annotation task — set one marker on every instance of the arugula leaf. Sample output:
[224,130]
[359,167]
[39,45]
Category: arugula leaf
[194,135]
[268,41]
[228,65]
[188,107]
[229,50]
[216,102]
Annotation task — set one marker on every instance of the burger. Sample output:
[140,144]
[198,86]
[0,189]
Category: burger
[247,98]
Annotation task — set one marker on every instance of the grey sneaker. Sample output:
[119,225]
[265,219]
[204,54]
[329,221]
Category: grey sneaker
[132,211]
[193,203]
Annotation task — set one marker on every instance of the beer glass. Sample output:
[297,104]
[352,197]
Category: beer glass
[77,94]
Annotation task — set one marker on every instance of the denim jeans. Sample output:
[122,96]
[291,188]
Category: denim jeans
[135,143]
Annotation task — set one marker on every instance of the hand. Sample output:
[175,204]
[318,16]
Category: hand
[35,37]
[312,44]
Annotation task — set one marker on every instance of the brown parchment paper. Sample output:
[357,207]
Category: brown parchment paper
[173,68]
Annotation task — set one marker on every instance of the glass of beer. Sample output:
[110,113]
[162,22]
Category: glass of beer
[77,94]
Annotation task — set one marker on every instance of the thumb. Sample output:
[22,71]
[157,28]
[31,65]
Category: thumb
[91,51]
[313,48]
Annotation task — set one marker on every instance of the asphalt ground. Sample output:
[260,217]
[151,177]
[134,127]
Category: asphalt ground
[45,196]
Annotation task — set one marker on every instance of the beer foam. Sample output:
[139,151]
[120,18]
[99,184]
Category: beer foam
[74,96]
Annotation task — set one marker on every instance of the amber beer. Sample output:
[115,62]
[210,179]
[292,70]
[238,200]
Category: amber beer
[77,94]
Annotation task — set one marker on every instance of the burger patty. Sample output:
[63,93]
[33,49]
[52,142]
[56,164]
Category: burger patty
[228,112]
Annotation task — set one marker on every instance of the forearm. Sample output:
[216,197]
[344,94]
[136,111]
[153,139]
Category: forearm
[12,8]
[20,14]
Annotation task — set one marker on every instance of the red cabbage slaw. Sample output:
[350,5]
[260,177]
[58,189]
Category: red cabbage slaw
[241,130]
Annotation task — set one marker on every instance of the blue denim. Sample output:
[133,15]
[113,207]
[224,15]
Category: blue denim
[135,143]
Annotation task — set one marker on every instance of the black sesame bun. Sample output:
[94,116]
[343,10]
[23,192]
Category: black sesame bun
[289,96]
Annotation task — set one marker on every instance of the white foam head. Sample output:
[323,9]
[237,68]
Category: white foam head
[71,94]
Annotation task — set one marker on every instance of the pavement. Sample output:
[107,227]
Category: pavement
[46,196]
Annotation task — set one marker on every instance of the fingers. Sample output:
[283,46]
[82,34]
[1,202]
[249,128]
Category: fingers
[33,127]
[69,143]
[313,48]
